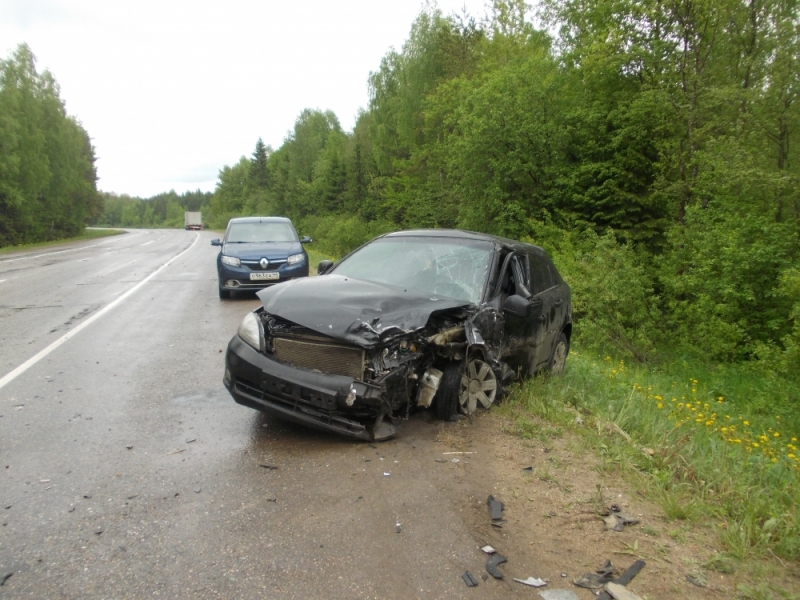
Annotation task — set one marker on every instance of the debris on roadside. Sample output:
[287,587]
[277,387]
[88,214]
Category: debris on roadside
[625,578]
[488,549]
[697,579]
[469,579]
[5,578]
[178,451]
[616,521]
[442,460]
[528,469]
[269,467]
[558,595]
[129,447]
[491,565]
[495,508]
[620,592]
[190,440]
[531,581]
[598,579]
[398,527]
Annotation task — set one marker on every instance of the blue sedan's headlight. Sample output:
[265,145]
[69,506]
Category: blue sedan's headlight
[231,260]
[251,331]
[295,258]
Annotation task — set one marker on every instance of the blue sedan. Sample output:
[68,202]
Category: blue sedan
[258,252]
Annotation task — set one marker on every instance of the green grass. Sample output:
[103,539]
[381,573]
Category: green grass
[88,234]
[314,259]
[709,445]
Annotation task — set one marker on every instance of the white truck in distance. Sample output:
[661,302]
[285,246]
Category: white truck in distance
[192,221]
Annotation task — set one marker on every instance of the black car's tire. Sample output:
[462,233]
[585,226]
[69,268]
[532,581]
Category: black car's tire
[224,294]
[464,387]
[449,387]
[558,360]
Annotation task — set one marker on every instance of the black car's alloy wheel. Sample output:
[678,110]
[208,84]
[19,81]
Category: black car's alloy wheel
[478,385]
[559,358]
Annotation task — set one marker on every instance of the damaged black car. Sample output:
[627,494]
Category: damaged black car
[440,319]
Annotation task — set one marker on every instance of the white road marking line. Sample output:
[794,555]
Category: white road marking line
[8,378]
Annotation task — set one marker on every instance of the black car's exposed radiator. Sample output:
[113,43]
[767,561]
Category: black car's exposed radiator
[324,356]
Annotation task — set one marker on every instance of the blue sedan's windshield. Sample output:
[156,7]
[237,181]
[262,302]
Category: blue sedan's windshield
[452,267]
[260,232]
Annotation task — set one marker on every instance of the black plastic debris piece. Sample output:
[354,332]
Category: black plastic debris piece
[696,581]
[469,579]
[491,565]
[495,508]
[129,446]
[5,578]
[625,578]
[268,467]
[528,469]
[617,521]
[272,499]
[594,581]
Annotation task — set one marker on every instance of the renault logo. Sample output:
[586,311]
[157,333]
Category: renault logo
[263,262]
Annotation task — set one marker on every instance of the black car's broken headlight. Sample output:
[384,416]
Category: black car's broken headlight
[251,330]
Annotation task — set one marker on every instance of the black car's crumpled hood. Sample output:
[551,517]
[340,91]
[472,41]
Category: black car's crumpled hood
[360,312]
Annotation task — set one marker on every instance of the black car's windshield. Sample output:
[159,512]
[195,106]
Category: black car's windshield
[260,232]
[452,267]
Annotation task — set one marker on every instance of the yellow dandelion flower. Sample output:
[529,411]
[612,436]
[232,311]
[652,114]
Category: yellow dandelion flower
[747,423]
[776,434]
[774,460]
[755,444]
[660,405]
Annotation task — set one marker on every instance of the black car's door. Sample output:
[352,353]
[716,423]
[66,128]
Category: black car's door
[547,297]
[522,334]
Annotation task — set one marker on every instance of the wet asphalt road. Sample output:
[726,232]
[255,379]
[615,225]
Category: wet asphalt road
[127,471]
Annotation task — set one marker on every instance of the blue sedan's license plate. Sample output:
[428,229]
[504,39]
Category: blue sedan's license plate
[263,276]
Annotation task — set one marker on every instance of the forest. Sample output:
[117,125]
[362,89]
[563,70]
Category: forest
[48,180]
[646,139]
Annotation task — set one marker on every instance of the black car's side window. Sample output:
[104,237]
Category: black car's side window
[514,276]
[542,278]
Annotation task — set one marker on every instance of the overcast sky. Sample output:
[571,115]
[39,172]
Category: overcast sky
[172,90]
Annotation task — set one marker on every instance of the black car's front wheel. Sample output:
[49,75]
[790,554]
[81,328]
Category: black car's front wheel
[464,387]
[558,360]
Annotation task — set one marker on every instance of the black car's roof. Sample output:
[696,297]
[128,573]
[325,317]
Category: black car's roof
[471,235]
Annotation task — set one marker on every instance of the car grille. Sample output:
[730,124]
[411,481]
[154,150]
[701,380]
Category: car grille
[324,356]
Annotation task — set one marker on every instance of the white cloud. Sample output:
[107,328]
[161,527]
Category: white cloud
[171,91]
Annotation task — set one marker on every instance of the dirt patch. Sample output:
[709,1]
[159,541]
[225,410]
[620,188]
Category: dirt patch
[553,496]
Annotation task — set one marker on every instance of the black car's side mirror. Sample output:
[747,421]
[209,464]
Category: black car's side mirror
[305,240]
[216,242]
[517,306]
[324,266]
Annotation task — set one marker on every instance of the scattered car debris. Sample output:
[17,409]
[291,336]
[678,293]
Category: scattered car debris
[625,578]
[5,578]
[598,579]
[564,575]
[491,565]
[398,527]
[495,508]
[528,469]
[269,467]
[558,595]
[532,581]
[488,550]
[129,447]
[442,460]
[178,451]
[469,579]
[620,592]
[386,473]
[190,440]
[697,579]
[616,521]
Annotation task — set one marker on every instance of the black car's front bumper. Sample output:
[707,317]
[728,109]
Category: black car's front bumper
[307,397]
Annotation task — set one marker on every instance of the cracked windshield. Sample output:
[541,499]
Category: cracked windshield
[453,268]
